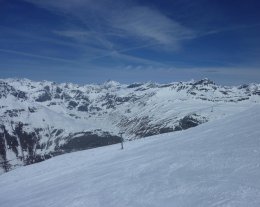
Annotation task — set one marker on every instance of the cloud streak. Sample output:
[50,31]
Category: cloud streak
[110,30]
[152,25]
[139,24]
[36,56]
[228,29]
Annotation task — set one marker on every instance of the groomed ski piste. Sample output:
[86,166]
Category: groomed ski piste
[214,164]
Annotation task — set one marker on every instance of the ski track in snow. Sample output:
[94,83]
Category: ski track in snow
[214,164]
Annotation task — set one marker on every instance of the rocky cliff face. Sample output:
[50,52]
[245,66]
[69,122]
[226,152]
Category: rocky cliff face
[43,119]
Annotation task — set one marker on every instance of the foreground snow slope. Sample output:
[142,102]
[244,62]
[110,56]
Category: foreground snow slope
[215,164]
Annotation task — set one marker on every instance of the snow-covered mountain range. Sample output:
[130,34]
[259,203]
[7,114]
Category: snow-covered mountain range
[43,119]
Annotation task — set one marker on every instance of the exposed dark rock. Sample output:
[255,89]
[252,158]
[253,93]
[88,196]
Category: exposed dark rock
[57,96]
[89,140]
[204,82]
[256,93]
[188,122]
[165,130]
[32,109]
[28,140]
[134,85]
[20,94]
[65,96]
[28,143]
[74,116]
[6,89]
[58,90]
[79,95]
[44,97]
[141,89]
[243,99]
[13,112]
[83,107]
[193,93]
[58,132]
[94,108]
[122,99]
[47,88]
[109,100]
[243,86]
[3,161]
[181,87]
[224,92]
[166,85]
[72,104]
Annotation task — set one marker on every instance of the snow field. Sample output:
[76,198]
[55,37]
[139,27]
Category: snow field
[214,164]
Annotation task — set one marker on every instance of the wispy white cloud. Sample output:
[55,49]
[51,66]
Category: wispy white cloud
[146,23]
[227,29]
[75,34]
[136,23]
[36,56]
[61,5]
[88,38]
[109,30]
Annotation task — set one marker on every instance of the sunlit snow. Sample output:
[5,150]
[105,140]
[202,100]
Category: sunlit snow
[214,164]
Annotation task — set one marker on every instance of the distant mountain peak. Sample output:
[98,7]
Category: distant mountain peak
[111,83]
[204,81]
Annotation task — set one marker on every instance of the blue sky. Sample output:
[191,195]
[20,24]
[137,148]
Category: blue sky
[93,41]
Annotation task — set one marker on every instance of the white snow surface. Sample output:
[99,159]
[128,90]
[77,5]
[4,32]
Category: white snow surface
[214,164]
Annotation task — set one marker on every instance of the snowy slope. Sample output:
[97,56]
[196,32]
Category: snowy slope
[214,164]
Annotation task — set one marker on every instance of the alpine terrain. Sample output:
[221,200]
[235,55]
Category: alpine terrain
[42,119]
